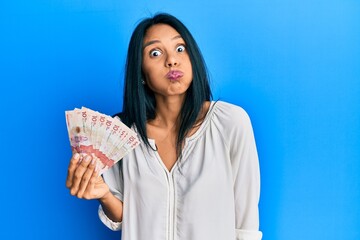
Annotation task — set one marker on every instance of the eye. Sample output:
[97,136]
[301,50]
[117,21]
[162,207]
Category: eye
[155,53]
[180,48]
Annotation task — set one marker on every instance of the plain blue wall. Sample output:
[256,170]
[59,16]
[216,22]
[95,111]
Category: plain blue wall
[293,65]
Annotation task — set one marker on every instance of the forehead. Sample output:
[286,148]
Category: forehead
[160,31]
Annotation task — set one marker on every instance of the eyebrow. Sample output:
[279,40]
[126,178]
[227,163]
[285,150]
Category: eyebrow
[157,41]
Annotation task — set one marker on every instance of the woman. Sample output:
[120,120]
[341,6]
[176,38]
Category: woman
[195,176]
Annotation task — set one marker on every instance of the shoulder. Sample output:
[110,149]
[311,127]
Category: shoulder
[228,113]
[233,125]
[230,120]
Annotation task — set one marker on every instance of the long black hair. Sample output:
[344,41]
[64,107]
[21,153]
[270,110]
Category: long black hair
[139,101]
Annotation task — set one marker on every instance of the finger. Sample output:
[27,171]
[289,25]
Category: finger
[76,158]
[86,178]
[79,172]
[89,192]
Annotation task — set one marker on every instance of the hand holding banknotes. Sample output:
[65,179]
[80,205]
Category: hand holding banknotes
[83,178]
[98,142]
[84,181]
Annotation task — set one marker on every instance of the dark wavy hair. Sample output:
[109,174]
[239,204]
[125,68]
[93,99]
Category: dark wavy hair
[139,101]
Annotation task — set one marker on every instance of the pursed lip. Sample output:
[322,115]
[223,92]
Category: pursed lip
[174,74]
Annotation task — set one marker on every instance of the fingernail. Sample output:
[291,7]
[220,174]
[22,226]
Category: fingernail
[97,168]
[87,158]
[76,156]
[80,158]
[93,162]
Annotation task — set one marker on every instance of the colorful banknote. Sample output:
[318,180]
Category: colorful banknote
[107,139]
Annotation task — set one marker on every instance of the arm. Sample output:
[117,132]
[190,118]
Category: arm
[112,207]
[246,175]
[84,182]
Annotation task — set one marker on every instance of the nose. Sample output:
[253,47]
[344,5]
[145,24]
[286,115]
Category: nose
[171,61]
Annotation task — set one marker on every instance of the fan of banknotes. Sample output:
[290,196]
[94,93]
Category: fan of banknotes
[107,139]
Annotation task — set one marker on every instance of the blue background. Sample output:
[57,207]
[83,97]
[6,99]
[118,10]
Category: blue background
[293,65]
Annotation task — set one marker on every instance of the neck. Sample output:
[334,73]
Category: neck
[168,111]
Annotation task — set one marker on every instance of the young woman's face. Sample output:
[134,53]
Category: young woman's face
[166,63]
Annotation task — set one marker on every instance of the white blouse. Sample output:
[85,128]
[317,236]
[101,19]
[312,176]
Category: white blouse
[211,193]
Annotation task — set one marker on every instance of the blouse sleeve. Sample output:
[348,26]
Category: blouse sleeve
[114,179]
[246,176]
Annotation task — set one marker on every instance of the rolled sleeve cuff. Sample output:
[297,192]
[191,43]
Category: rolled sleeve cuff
[248,234]
[115,226]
